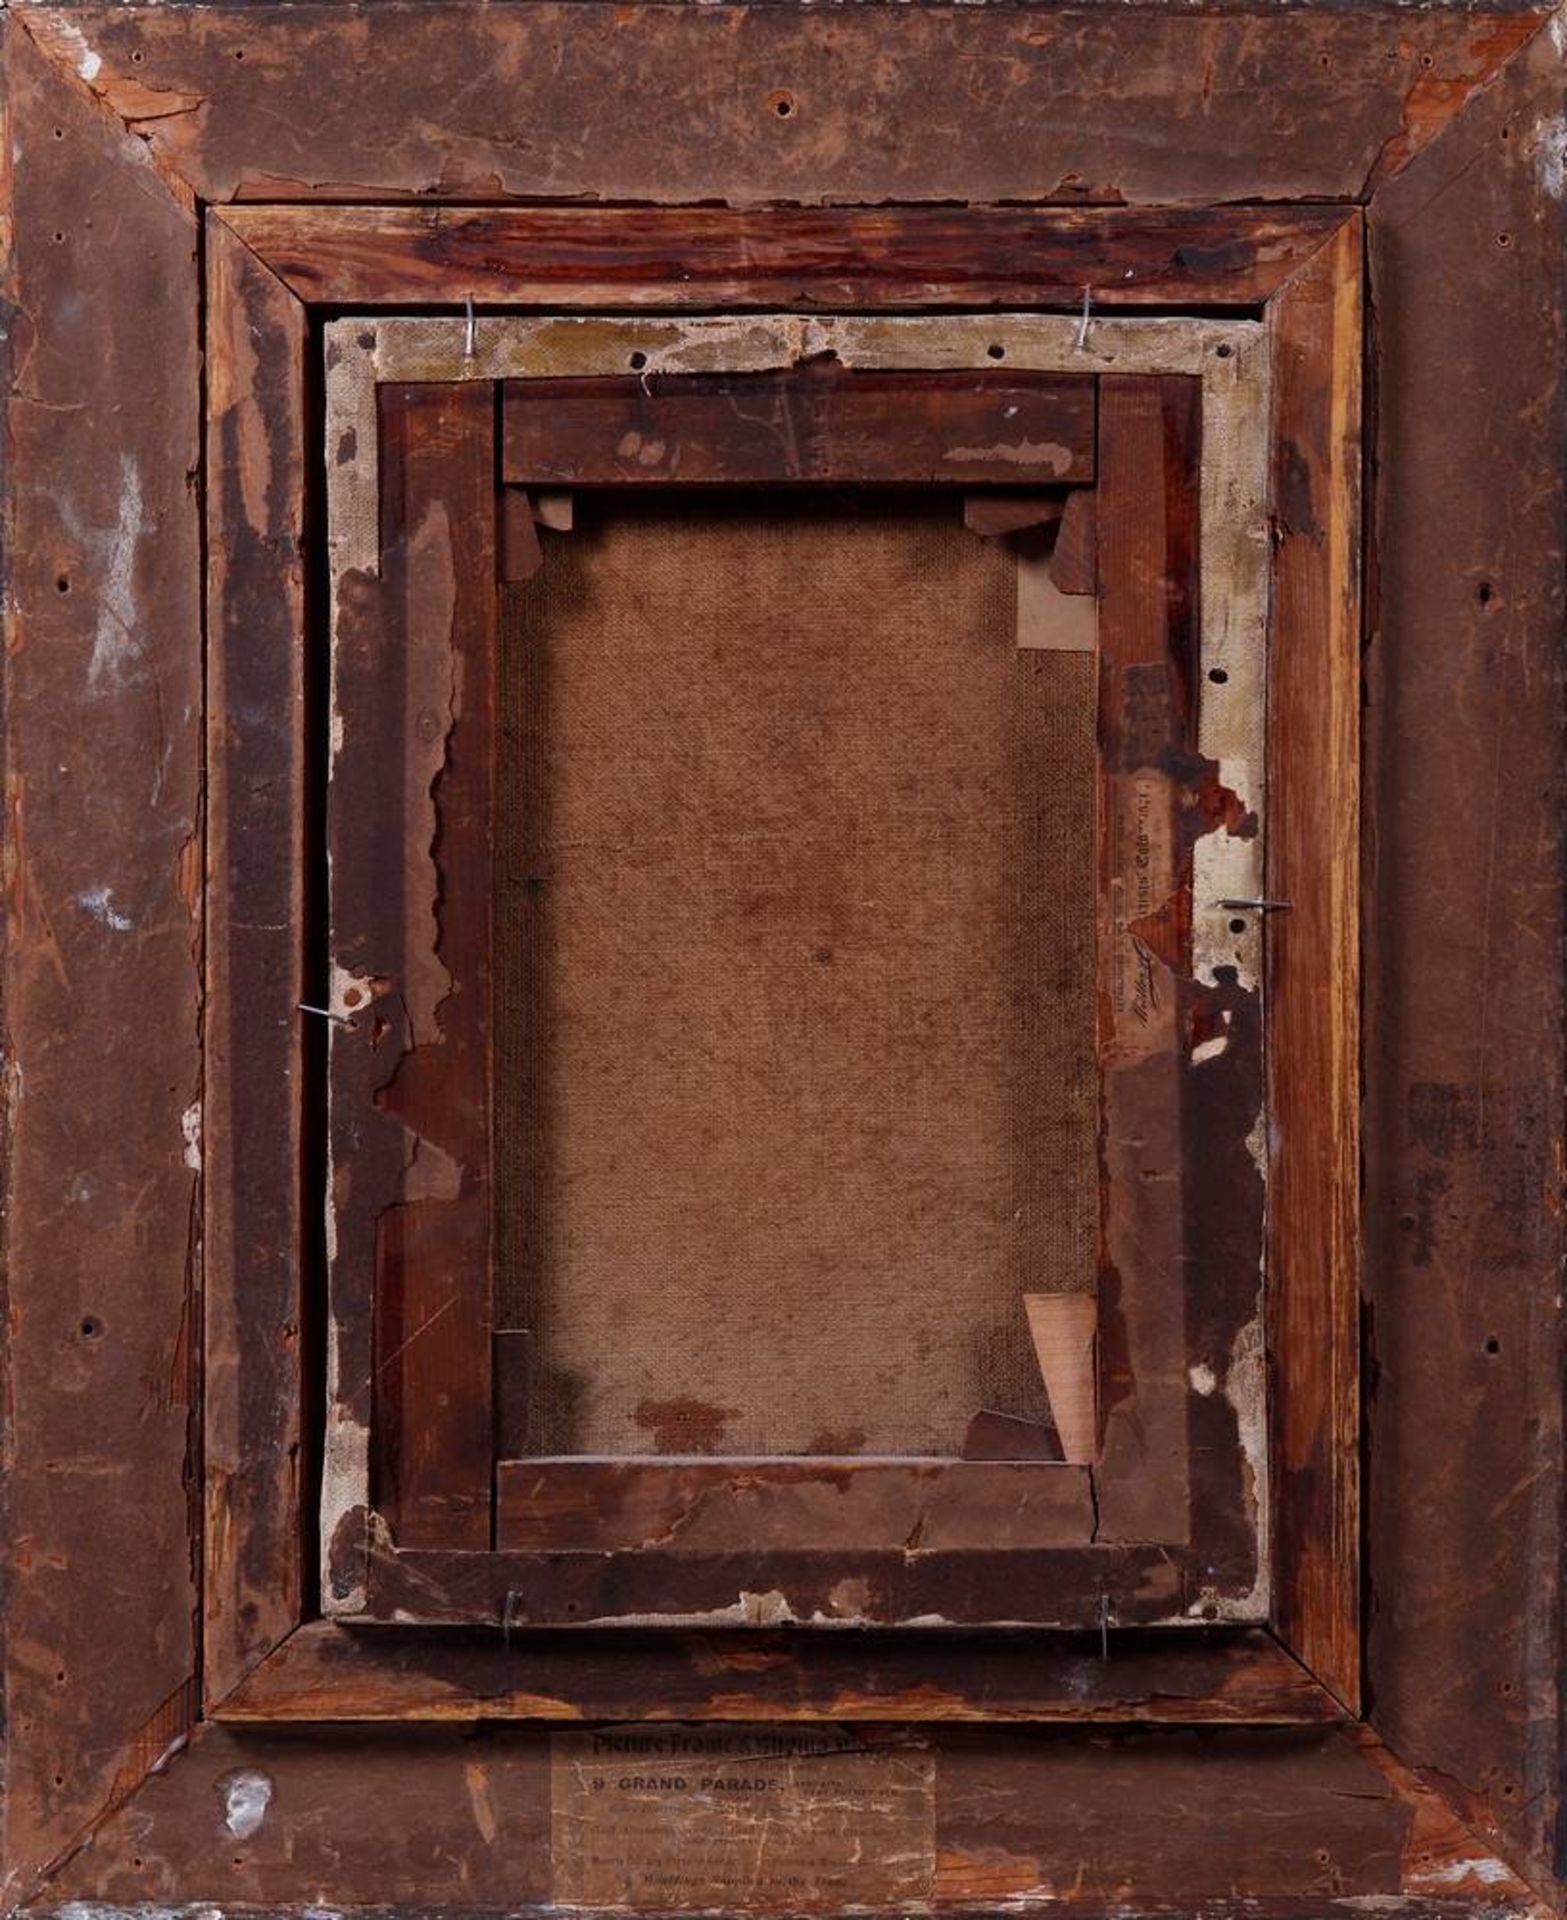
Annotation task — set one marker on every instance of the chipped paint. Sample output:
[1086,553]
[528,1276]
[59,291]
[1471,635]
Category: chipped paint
[117,647]
[99,902]
[246,1797]
[190,1129]
[1550,154]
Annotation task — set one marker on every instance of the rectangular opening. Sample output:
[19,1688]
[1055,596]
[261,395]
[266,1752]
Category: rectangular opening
[795,1083]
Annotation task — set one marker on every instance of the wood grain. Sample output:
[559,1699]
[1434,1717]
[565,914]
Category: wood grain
[257,1040]
[1313,961]
[755,1506]
[799,425]
[326,1672]
[411,916]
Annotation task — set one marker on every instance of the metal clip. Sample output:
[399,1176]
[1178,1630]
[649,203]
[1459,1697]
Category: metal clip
[325,1013]
[1080,345]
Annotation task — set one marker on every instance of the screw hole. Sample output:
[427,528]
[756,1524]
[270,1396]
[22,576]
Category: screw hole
[91,1328]
[1427,62]
[59,238]
[1223,350]
[1218,676]
[138,56]
[996,351]
[638,361]
[782,103]
[1237,926]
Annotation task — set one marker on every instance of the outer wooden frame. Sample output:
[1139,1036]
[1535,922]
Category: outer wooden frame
[1382,104]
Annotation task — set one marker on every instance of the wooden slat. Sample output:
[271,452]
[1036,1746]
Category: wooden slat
[801,424]
[257,1041]
[1065,1587]
[330,1673]
[1313,863]
[411,826]
[1146,524]
[664,257]
[759,1506]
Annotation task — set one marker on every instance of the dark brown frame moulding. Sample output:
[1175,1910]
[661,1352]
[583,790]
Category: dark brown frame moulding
[177,176]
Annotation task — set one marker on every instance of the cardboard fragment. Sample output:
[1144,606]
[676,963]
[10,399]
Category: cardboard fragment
[1064,1327]
[1047,618]
[521,554]
[1005,1436]
[992,515]
[1074,565]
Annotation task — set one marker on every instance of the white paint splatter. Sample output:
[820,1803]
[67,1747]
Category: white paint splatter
[89,63]
[190,1126]
[246,1797]
[1209,1049]
[1482,1867]
[99,902]
[116,647]
[1550,154]
[1203,1378]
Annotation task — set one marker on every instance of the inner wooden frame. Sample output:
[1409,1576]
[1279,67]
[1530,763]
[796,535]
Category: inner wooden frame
[1141,1536]
[1316,318]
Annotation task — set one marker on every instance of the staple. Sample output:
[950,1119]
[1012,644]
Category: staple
[1104,1628]
[508,1613]
[470,339]
[326,1013]
[1256,906]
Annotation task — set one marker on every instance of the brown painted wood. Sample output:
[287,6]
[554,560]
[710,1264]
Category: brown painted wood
[1247,1823]
[411,828]
[801,424]
[1147,524]
[1464,1124]
[1313,962]
[753,1506]
[326,1672]
[257,1041]
[780,104]
[101,983]
[828,257]
[1063,1587]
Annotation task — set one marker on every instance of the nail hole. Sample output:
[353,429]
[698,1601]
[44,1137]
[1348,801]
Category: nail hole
[638,361]
[996,350]
[1493,1345]
[1237,926]
[239,53]
[782,103]
[1504,239]
[1485,593]
[1224,350]
[1506,1687]
[138,56]
[59,238]
[59,133]
[91,1328]
[62,583]
[1218,676]
[1427,62]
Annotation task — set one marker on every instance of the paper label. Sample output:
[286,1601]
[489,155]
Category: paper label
[744,1816]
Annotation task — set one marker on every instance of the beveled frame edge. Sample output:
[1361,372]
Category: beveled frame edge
[231,221]
[64,54]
